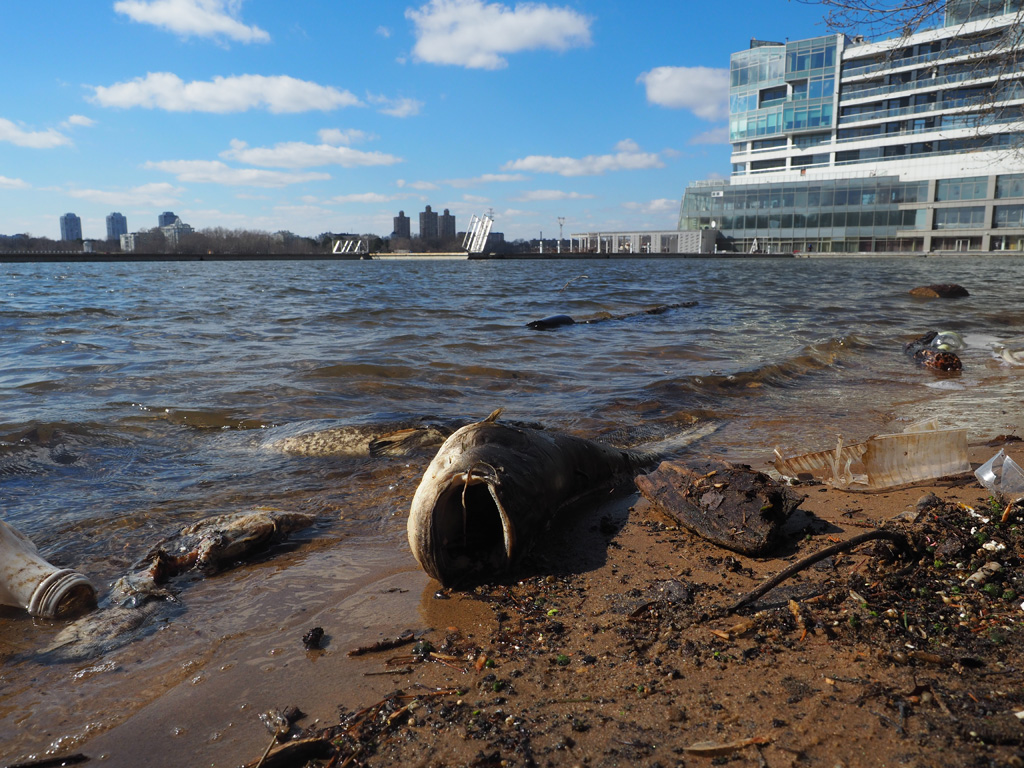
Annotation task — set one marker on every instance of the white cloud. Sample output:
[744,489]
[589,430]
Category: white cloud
[422,186]
[79,120]
[6,183]
[338,137]
[475,199]
[486,178]
[550,195]
[718,135]
[478,35]
[202,18]
[298,154]
[368,197]
[47,139]
[276,93]
[702,90]
[383,31]
[216,172]
[654,207]
[156,194]
[400,107]
[628,157]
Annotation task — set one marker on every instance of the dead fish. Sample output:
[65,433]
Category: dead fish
[137,601]
[209,545]
[493,488]
[374,440]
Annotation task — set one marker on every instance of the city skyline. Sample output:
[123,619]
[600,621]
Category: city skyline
[250,115]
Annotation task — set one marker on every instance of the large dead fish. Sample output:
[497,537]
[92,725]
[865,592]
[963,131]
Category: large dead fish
[391,439]
[210,545]
[493,488]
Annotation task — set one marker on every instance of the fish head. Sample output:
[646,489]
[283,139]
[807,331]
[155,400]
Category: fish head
[459,528]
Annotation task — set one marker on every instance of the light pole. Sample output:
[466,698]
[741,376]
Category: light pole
[561,222]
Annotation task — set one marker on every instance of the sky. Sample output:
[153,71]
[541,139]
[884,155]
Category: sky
[317,116]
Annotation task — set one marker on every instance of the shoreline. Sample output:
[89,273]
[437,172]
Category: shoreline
[101,258]
[610,646]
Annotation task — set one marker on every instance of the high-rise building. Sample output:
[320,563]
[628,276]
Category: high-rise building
[446,226]
[117,225]
[70,227]
[403,226]
[428,224]
[908,144]
[166,219]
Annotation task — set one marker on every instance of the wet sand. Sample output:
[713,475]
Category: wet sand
[610,648]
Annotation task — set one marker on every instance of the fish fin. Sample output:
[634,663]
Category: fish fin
[494,416]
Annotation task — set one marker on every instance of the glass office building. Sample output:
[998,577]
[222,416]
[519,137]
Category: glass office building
[842,145]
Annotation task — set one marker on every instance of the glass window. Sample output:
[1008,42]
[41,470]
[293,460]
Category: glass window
[960,218]
[973,188]
[1009,216]
[1011,185]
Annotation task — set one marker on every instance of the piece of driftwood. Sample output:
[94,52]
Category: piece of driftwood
[730,505]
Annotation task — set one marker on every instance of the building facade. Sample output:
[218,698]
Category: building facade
[428,224]
[166,219]
[403,226]
[912,144]
[117,225]
[70,227]
[446,226]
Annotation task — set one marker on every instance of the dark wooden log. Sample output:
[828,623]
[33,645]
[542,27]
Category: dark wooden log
[730,505]
[944,291]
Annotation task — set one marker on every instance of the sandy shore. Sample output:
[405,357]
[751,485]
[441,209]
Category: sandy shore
[613,647]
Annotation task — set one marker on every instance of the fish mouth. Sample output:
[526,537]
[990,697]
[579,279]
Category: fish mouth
[472,532]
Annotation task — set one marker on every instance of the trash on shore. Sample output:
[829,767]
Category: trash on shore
[29,582]
[936,350]
[922,452]
[1001,476]
[730,505]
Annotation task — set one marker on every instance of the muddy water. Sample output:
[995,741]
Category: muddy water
[137,398]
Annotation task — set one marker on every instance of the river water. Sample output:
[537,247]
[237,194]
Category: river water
[137,398]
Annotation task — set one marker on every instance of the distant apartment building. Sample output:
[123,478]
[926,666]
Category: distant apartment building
[446,226]
[907,144]
[403,228]
[428,224]
[175,231]
[166,219]
[117,225]
[70,227]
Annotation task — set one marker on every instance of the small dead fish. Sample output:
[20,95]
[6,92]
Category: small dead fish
[209,545]
[493,488]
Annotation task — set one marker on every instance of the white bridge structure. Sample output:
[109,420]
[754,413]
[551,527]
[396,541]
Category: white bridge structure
[351,246]
[476,235]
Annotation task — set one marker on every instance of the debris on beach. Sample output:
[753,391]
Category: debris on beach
[730,505]
[29,582]
[936,350]
[922,452]
[137,599]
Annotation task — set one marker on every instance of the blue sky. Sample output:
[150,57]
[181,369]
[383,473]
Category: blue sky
[332,115]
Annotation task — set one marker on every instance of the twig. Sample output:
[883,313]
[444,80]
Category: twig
[384,645]
[810,560]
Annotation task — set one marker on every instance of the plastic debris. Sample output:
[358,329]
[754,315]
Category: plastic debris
[922,452]
[1001,475]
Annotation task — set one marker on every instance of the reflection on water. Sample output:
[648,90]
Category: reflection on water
[140,397]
